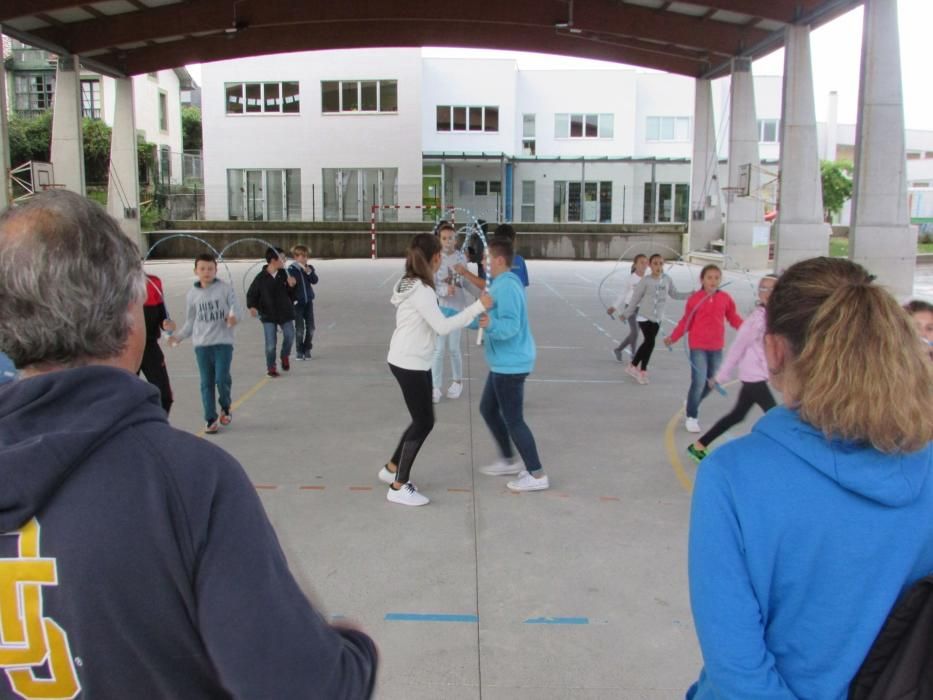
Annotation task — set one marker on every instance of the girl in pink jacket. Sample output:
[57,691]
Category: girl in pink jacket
[748,354]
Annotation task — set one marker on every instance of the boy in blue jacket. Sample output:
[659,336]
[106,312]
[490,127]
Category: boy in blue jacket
[510,353]
[304,276]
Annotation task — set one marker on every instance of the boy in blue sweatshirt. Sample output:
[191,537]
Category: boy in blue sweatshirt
[510,353]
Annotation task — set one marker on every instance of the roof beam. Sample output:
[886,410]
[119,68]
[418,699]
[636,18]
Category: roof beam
[780,10]
[11,9]
[603,17]
[407,33]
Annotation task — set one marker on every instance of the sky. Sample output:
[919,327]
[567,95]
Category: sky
[836,54]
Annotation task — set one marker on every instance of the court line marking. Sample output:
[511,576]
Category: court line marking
[243,399]
[579,311]
[430,617]
[557,621]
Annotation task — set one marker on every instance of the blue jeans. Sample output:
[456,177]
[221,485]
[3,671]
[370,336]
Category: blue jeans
[501,408]
[214,367]
[288,337]
[304,327]
[703,366]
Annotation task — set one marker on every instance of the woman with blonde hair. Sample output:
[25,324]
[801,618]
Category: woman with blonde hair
[804,533]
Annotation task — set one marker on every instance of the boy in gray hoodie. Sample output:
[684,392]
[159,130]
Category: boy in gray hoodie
[212,312]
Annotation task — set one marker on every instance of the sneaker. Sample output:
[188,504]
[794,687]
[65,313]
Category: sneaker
[212,427]
[643,377]
[436,395]
[300,356]
[618,353]
[502,467]
[526,482]
[407,495]
[692,425]
[633,371]
[696,454]
[226,418]
[385,476]
[456,388]
[272,372]
[285,365]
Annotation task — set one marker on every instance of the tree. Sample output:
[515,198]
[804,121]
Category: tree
[837,186]
[30,138]
[190,129]
[96,136]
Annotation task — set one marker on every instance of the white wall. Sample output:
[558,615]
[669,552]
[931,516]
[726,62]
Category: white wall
[662,95]
[311,140]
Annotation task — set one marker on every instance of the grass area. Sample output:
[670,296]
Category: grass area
[839,247]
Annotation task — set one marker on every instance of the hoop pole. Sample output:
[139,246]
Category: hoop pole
[372,229]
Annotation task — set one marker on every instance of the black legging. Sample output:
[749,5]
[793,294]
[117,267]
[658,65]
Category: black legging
[153,367]
[649,329]
[750,394]
[416,388]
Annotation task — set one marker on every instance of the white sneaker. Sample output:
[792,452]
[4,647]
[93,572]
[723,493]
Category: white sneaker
[407,496]
[456,388]
[386,477]
[502,467]
[633,372]
[526,482]
[436,396]
[692,425]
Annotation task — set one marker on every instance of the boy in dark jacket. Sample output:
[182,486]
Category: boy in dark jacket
[304,276]
[271,296]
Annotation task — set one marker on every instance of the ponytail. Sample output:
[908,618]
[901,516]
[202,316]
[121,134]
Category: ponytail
[421,251]
[857,370]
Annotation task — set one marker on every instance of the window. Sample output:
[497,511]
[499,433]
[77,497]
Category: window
[165,164]
[256,194]
[528,134]
[769,130]
[349,194]
[587,201]
[528,201]
[666,202]
[90,99]
[913,155]
[452,118]
[33,93]
[482,188]
[163,111]
[359,96]
[668,129]
[263,98]
[583,126]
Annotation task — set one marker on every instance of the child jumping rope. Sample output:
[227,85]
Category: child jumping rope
[639,266]
[451,295]
[418,321]
[704,321]
[649,298]
[748,354]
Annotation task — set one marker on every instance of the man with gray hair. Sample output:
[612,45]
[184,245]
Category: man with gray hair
[137,559]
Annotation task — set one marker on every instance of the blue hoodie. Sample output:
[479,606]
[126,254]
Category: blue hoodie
[508,343]
[145,553]
[799,547]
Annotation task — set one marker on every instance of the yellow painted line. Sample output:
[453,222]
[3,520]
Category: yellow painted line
[243,399]
[672,452]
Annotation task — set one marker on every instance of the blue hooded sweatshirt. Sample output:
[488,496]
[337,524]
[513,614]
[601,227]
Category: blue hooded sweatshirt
[508,343]
[799,547]
[146,566]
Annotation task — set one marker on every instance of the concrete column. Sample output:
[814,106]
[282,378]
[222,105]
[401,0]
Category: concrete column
[6,195]
[123,187]
[705,209]
[801,232]
[67,141]
[832,126]
[746,243]
[880,237]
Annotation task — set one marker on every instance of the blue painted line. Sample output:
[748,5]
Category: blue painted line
[429,617]
[558,621]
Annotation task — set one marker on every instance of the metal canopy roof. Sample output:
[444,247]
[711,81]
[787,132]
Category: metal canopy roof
[127,37]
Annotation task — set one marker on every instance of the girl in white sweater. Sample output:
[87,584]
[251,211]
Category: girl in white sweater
[418,322]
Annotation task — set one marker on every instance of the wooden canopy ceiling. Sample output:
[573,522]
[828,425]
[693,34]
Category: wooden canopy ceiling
[127,37]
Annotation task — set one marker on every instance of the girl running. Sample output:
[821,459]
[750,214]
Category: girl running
[639,266]
[649,298]
[418,322]
[748,354]
[452,298]
[704,321]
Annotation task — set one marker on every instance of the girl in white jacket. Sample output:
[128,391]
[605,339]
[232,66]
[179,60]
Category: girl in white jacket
[418,322]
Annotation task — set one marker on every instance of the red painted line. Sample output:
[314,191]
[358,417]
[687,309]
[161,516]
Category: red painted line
[266,487]
[311,488]
[609,498]
[361,488]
